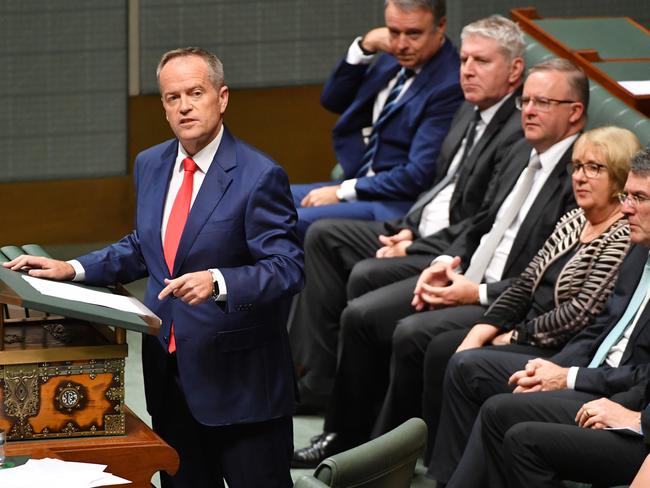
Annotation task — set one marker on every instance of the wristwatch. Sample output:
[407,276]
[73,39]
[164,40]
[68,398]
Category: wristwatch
[364,50]
[215,286]
[513,338]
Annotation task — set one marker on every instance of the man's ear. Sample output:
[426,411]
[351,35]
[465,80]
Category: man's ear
[516,70]
[223,95]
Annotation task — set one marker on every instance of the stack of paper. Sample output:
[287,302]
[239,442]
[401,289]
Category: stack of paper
[54,473]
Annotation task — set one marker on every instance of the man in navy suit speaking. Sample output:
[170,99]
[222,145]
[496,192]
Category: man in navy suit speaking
[215,235]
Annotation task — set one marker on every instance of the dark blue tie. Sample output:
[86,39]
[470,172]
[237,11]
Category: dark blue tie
[373,141]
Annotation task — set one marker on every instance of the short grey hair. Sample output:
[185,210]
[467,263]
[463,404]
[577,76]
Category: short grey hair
[578,81]
[215,66]
[504,31]
[437,7]
[640,164]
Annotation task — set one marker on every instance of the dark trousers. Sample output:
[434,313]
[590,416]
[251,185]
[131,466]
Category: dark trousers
[367,326]
[245,455]
[471,378]
[357,210]
[532,440]
[339,266]
[438,354]
[413,336]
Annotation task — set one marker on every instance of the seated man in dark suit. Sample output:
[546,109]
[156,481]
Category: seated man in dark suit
[483,130]
[531,194]
[609,358]
[395,112]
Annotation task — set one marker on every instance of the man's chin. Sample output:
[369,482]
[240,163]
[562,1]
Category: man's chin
[409,62]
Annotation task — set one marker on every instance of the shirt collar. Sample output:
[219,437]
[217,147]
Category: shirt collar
[204,157]
[488,114]
[552,155]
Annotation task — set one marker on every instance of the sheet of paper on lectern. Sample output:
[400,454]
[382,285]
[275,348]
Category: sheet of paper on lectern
[72,292]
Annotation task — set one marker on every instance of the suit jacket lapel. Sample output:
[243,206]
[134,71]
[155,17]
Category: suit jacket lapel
[492,129]
[212,191]
[510,174]
[158,189]
[548,191]
[375,84]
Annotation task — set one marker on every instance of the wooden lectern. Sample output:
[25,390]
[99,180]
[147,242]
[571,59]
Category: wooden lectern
[62,379]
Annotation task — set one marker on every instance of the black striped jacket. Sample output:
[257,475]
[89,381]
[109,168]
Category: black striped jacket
[581,289]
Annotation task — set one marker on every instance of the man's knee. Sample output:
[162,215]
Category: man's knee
[362,277]
[352,319]
[522,438]
[409,339]
[317,232]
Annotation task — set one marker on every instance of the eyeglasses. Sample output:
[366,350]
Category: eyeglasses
[591,170]
[632,200]
[542,104]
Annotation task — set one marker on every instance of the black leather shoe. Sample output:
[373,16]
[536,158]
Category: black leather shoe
[322,446]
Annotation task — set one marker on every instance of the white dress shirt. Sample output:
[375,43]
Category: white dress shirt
[435,215]
[203,160]
[615,354]
[356,56]
[549,160]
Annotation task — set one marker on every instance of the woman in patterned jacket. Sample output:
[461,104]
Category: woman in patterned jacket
[567,284]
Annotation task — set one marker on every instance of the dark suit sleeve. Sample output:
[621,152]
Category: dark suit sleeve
[608,381]
[461,238]
[342,86]
[277,259]
[407,181]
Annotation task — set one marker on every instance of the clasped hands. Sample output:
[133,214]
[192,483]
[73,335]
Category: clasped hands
[395,245]
[543,375]
[441,286]
[539,375]
[192,288]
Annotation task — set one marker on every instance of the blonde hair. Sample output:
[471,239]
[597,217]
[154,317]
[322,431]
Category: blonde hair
[616,146]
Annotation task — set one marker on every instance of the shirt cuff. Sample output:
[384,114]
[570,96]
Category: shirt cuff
[221,282]
[79,271]
[347,190]
[355,54]
[483,294]
[571,377]
[442,259]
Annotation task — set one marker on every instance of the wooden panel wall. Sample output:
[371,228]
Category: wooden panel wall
[286,123]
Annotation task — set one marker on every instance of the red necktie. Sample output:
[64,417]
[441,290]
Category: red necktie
[176,224]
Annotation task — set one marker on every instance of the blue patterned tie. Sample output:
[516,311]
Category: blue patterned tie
[373,141]
[619,329]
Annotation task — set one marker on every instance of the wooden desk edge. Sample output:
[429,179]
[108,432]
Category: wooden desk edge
[525,17]
[119,453]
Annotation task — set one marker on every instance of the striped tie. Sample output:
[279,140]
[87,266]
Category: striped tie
[373,141]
